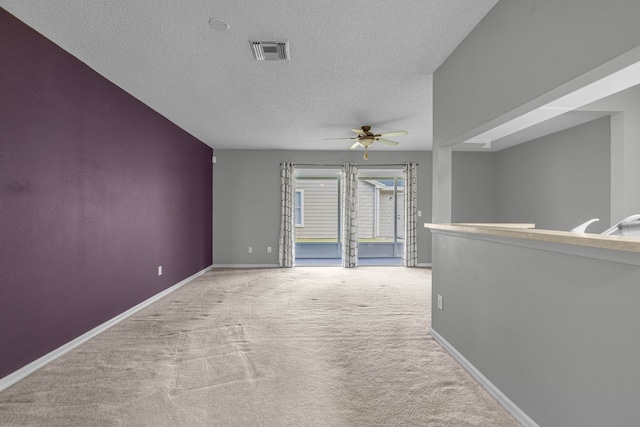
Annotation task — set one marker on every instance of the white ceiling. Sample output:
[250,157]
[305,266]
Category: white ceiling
[353,63]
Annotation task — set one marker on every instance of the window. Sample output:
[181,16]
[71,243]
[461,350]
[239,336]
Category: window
[298,208]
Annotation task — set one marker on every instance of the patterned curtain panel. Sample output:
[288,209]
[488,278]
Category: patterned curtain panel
[349,215]
[410,255]
[287,243]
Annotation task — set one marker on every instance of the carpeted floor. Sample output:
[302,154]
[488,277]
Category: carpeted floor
[312,346]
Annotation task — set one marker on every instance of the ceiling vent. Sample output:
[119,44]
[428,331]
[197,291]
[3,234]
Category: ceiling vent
[270,51]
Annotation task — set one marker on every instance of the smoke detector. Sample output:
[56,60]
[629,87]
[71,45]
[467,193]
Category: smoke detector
[219,24]
[270,51]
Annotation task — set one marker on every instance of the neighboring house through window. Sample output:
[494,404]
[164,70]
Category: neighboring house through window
[299,213]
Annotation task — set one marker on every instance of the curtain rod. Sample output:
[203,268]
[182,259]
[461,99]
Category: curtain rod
[357,164]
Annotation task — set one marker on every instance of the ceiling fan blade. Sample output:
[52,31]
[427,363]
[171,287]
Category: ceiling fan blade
[398,133]
[331,139]
[386,141]
[355,145]
[359,131]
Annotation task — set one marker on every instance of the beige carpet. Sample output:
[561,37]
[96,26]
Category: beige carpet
[309,346]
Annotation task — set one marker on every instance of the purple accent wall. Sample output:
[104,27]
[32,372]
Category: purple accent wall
[96,191]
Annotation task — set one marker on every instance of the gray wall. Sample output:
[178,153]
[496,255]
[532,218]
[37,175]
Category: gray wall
[474,195]
[554,340]
[524,49]
[557,181]
[246,199]
[625,140]
[558,341]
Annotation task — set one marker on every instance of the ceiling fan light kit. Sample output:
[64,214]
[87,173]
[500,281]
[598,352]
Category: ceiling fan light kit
[365,138]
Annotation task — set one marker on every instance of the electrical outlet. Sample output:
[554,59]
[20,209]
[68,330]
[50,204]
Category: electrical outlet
[440,301]
[250,250]
[159,270]
[268,249]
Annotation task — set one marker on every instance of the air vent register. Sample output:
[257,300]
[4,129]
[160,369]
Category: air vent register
[270,51]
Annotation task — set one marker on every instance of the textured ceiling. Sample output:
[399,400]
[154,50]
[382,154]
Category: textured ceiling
[352,63]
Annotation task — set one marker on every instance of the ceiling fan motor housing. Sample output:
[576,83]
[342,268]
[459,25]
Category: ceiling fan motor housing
[365,138]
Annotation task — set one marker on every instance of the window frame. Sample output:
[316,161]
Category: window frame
[295,208]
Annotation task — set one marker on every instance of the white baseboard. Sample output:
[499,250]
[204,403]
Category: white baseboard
[500,397]
[424,264]
[246,266]
[16,376]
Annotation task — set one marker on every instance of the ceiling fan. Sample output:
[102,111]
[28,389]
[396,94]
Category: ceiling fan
[365,138]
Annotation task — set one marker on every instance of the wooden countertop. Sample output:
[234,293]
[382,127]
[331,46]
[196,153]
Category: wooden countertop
[528,232]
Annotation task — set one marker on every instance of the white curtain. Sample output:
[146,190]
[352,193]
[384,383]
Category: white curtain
[349,215]
[287,244]
[410,255]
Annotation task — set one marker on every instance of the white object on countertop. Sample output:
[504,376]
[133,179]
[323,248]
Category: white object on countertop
[627,223]
[583,227]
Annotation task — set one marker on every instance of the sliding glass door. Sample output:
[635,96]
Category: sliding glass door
[381,217]
[317,216]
